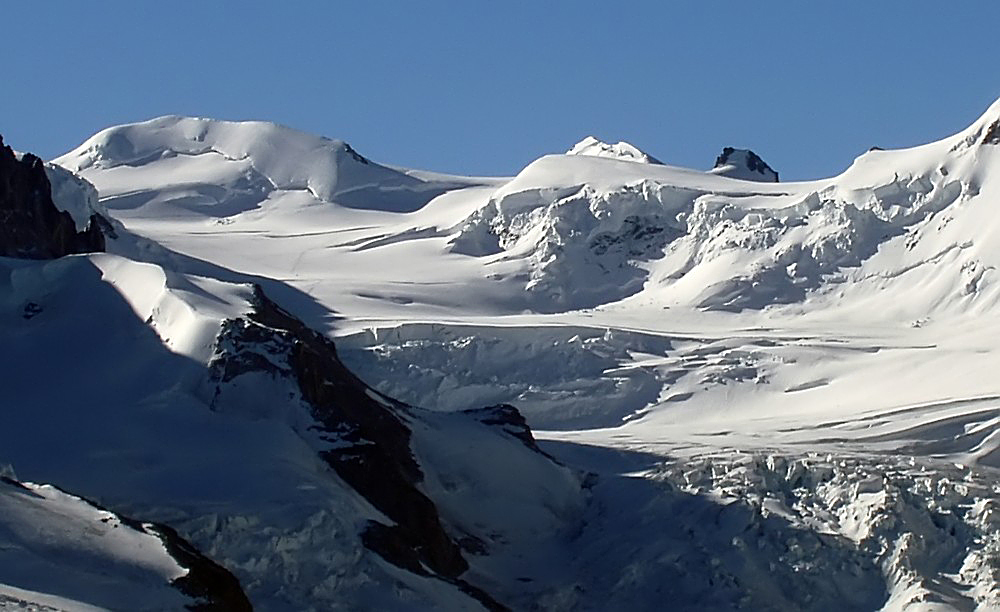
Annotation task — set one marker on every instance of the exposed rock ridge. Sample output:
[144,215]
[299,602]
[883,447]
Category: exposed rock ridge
[365,435]
[211,586]
[31,226]
[744,164]
[509,420]
[993,134]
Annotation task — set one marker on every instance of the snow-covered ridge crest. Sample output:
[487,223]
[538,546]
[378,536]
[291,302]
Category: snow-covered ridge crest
[287,158]
[621,150]
[590,231]
[74,194]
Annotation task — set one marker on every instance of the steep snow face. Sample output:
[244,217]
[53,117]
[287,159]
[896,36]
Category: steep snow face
[232,167]
[58,544]
[743,164]
[621,150]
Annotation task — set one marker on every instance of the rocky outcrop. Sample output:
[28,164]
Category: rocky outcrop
[509,420]
[212,586]
[208,585]
[743,164]
[364,436]
[993,134]
[31,226]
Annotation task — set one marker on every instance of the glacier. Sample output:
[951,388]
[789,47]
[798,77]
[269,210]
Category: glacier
[737,393]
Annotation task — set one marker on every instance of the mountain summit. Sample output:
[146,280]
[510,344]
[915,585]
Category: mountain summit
[743,164]
[621,150]
[251,159]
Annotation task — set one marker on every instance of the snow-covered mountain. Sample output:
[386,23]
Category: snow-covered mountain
[620,150]
[736,393]
[743,164]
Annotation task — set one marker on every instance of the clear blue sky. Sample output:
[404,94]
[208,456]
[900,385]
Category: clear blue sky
[482,87]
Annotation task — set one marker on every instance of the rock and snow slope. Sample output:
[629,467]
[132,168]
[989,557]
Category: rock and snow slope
[202,405]
[743,164]
[765,395]
[54,542]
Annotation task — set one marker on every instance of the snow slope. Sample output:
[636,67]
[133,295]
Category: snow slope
[88,553]
[785,392]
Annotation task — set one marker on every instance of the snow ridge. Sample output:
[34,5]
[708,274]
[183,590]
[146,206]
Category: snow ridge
[620,150]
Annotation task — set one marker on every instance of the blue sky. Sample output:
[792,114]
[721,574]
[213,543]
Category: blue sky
[485,87]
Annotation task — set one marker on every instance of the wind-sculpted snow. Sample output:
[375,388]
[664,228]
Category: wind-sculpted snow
[75,195]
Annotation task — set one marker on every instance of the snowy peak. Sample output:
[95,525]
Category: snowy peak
[266,154]
[621,150]
[745,165]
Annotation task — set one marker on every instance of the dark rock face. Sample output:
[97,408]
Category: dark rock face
[370,438]
[993,134]
[31,226]
[210,584]
[747,160]
[509,420]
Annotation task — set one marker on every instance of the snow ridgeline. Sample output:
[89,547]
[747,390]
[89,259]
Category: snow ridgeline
[585,229]
[593,231]
[232,167]
[61,552]
[621,150]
